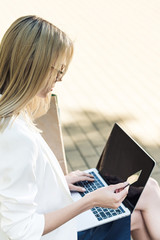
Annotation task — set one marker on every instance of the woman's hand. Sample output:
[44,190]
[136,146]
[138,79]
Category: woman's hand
[78,176]
[108,197]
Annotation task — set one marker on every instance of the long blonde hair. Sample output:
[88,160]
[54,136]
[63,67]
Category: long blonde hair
[28,49]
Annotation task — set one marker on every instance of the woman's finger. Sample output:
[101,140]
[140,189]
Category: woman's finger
[120,189]
[88,175]
[76,188]
[83,178]
[121,199]
[122,194]
[118,186]
[82,173]
[121,185]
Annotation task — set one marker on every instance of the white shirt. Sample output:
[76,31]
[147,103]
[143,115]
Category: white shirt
[31,184]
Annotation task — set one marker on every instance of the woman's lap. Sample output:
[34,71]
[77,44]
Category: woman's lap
[117,230]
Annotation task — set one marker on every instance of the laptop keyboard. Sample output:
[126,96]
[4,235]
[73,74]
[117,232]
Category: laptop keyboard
[100,213]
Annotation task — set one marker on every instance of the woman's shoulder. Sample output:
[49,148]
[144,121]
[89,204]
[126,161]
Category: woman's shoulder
[18,132]
[18,146]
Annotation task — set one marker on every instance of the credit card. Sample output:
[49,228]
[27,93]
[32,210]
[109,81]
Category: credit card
[134,177]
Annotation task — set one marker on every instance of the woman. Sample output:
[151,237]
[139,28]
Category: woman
[34,194]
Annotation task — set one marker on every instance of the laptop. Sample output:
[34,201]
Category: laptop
[122,159]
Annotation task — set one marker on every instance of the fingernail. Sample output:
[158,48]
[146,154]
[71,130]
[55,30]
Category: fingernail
[83,189]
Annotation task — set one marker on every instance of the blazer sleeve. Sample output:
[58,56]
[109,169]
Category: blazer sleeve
[18,189]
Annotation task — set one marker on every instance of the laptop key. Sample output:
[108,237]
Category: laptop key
[103,215]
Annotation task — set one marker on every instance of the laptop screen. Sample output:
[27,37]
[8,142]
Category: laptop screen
[121,158]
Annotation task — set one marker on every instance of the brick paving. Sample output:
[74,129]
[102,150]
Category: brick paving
[114,75]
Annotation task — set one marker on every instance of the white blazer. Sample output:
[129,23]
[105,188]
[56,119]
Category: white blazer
[31,184]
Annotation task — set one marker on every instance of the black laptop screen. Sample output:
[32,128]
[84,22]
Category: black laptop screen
[121,158]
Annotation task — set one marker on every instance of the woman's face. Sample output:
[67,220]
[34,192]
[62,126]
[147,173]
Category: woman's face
[52,79]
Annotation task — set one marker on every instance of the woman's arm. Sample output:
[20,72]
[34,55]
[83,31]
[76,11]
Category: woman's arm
[18,187]
[103,197]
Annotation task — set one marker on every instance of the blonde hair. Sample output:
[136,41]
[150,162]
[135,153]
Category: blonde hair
[27,51]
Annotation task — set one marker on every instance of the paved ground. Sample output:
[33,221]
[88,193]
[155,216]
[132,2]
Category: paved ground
[114,75]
